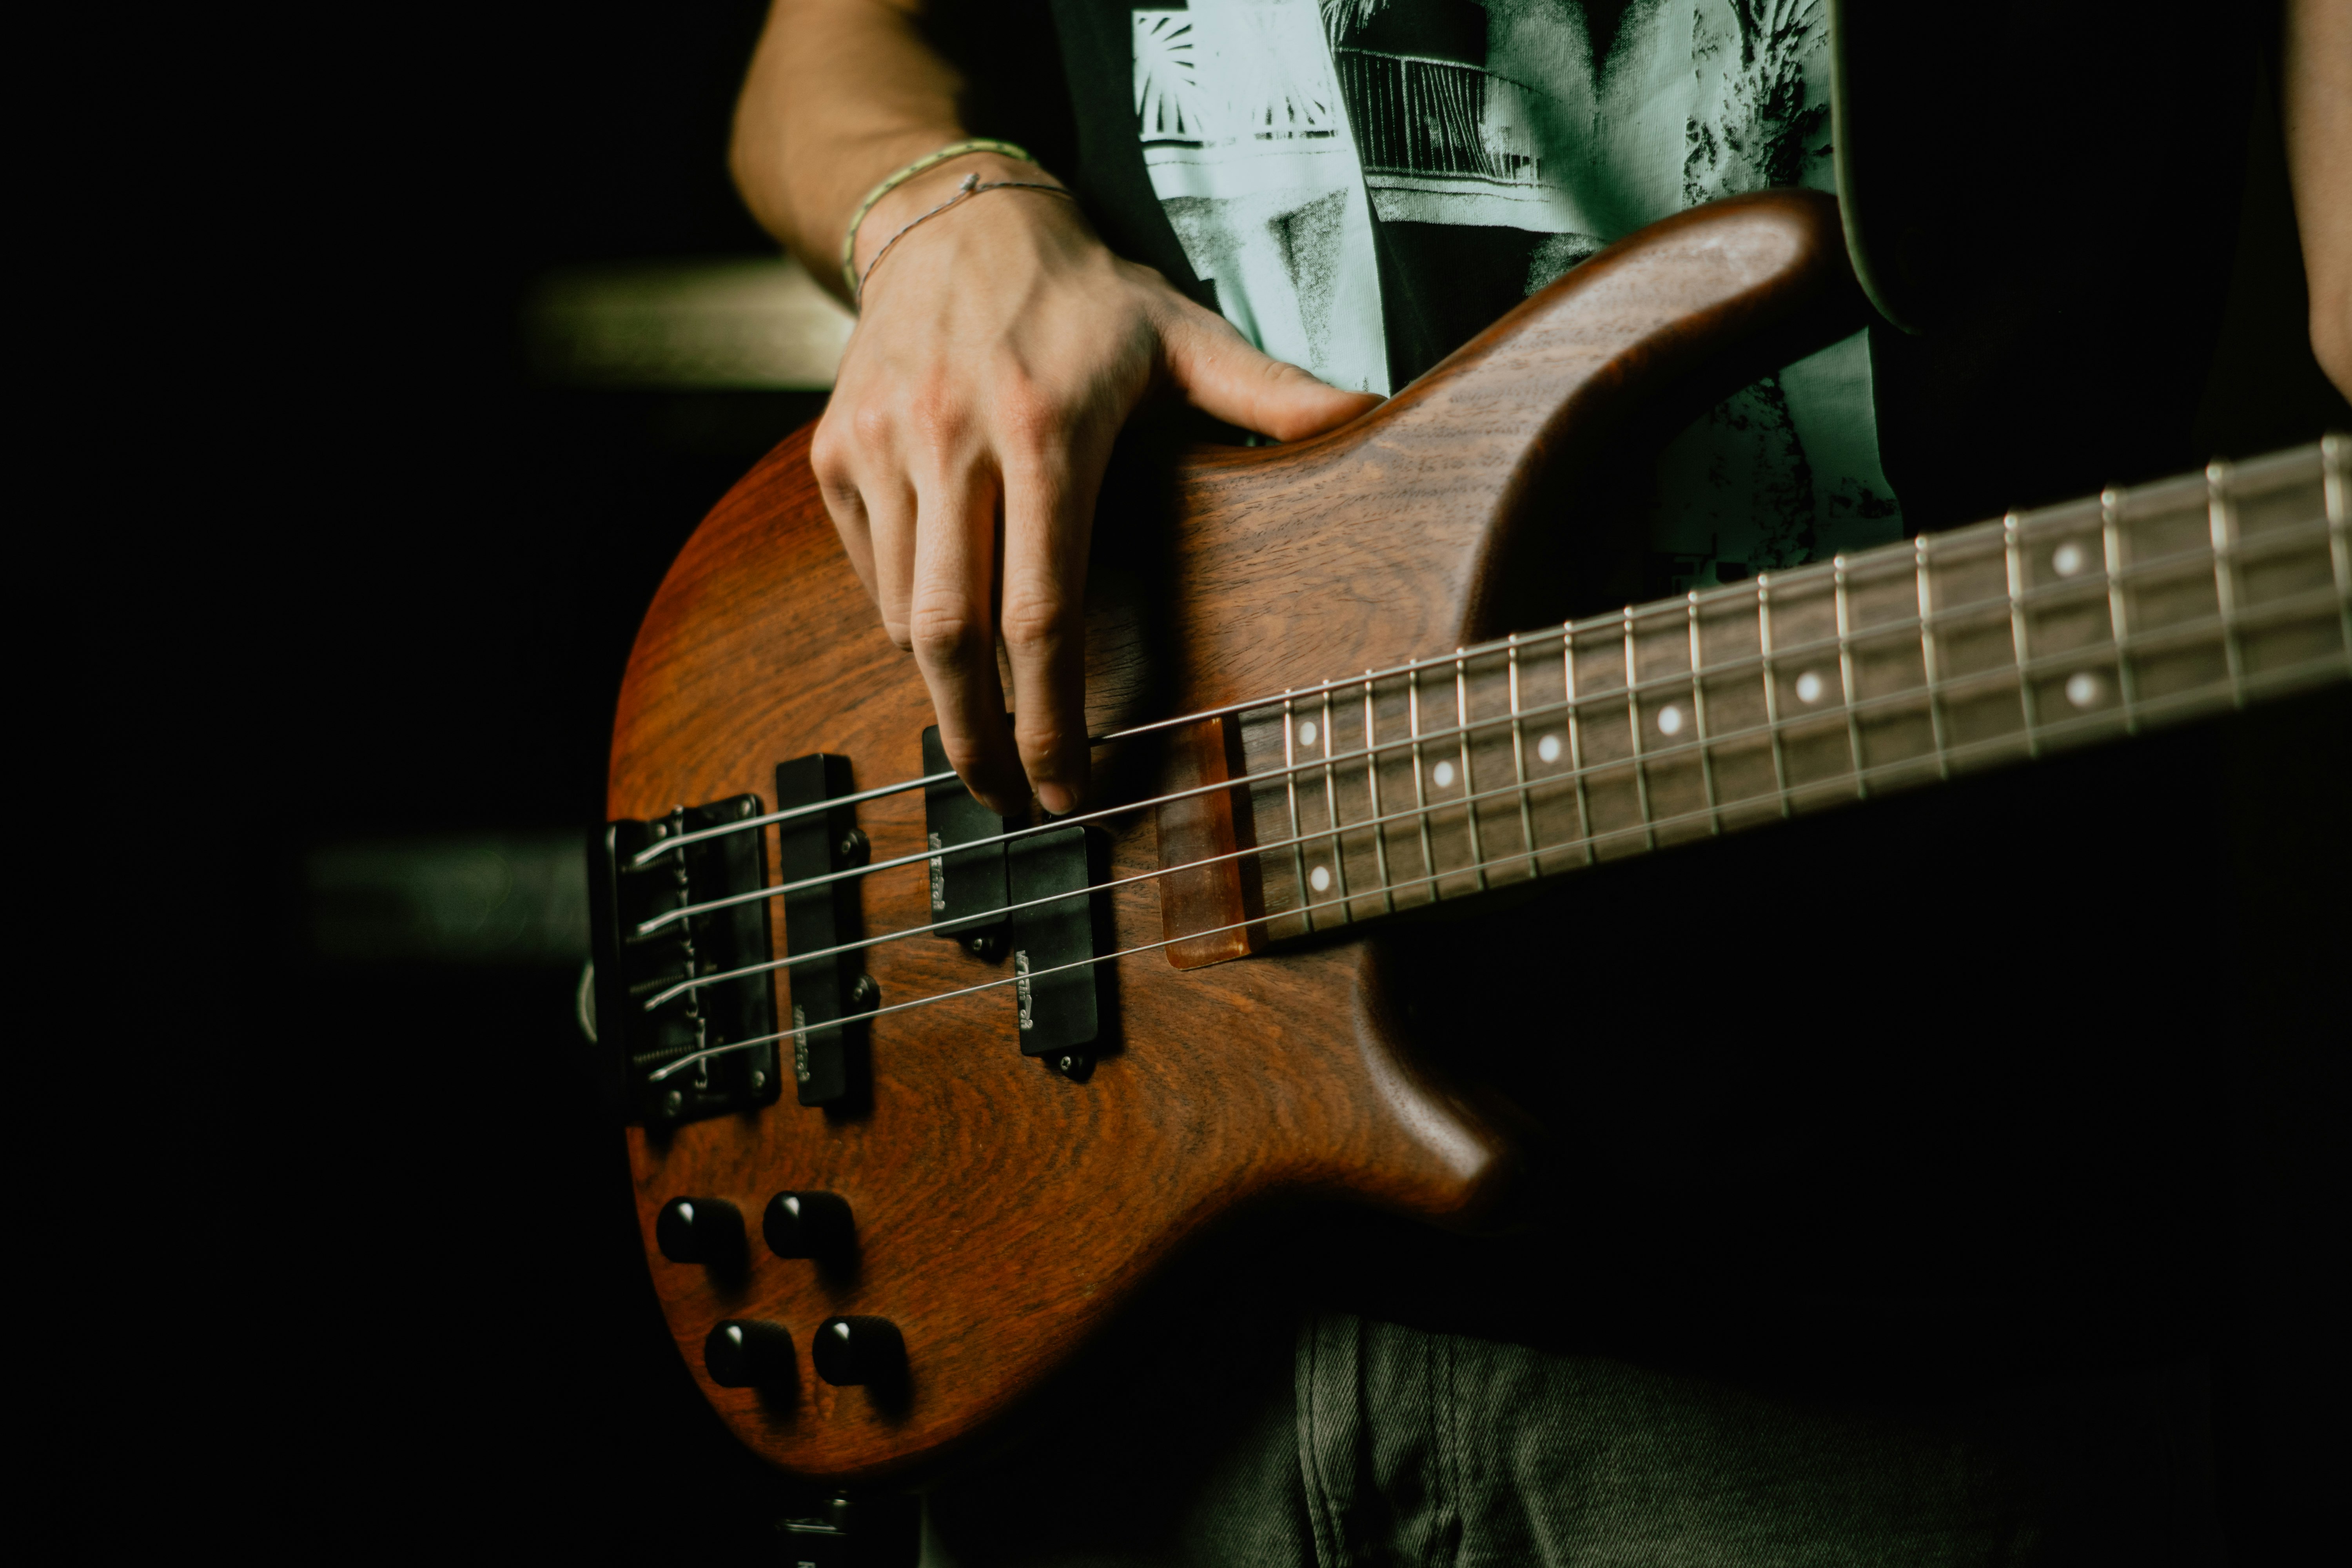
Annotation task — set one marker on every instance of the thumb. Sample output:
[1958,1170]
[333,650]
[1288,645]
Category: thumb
[1224,377]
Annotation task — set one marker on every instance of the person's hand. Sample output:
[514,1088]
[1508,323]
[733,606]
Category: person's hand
[1000,348]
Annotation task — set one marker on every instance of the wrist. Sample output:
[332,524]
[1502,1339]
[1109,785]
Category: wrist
[923,193]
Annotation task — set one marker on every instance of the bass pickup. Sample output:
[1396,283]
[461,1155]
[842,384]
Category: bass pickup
[968,885]
[830,995]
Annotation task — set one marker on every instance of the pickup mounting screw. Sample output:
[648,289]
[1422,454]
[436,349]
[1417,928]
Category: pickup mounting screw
[853,848]
[866,996]
[988,946]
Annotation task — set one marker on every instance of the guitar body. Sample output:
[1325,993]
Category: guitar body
[1004,1211]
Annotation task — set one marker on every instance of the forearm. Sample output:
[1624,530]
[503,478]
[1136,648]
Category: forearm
[840,93]
[2318,103]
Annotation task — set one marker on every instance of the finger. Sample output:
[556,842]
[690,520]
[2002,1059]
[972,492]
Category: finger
[1223,376]
[837,487]
[953,631]
[1049,508]
[891,505]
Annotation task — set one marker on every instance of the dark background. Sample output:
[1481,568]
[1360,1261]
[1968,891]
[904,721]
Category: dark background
[392,581]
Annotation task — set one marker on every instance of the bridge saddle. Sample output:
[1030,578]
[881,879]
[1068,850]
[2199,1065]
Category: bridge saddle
[630,891]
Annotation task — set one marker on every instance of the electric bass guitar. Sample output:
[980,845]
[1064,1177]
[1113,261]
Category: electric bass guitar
[919,1096]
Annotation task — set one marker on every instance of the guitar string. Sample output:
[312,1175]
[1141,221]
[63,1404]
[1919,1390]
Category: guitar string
[1950,545]
[1842,710]
[2284,676]
[653,852]
[2086,587]
[1522,787]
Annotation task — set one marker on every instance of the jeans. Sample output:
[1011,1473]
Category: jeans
[1354,1442]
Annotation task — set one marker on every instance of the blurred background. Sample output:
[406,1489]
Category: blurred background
[461,330]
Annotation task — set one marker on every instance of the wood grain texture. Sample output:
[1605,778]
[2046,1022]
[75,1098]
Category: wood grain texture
[1004,1212]
[1205,833]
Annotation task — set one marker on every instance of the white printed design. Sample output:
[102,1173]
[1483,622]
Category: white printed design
[1246,140]
[1271,128]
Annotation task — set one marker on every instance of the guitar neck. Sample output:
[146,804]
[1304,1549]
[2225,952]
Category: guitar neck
[1755,701]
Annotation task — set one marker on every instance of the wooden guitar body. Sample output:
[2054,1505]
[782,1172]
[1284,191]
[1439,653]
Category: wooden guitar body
[1003,1211]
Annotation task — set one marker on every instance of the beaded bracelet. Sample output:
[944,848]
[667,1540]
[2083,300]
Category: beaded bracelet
[928,160]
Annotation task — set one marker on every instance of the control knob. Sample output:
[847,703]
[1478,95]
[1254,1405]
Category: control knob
[708,1231]
[750,1352]
[853,1351]
[808,1224]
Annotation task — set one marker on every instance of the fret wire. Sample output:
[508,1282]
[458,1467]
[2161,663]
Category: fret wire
[1332,805]
[2016,561]
[2222,515]
[2319,598]
[1928,665]
[1772,685]
[1469,784]
[1845,673]
[1372,785]
[1947,687]
[1958,538]
[2333,485]
[2274,542]
[1906,626]
[1290,789]
[2284,677]
[1420,795]
[1575,739]
[2185,702]
[1698,722]
[1519,763]
[1634,726]
[2231,549]
[2111,541]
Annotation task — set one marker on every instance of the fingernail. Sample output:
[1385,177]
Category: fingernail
[1056,798]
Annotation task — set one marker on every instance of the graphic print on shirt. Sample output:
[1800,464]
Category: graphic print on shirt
[1533,132]
[1247,139]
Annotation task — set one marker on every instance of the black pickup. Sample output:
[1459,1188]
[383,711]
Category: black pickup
[634,965]
[828,1064]
[967,886]
[1061,998]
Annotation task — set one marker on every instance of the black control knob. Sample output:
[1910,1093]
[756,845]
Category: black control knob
[708,1231]
[852,1351]
[750,1352]
[808,1224]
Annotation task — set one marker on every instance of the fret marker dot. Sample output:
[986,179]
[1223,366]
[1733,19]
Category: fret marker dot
[1808,688]
[1318,879]
[2067,559]
[1549,747]
[1443,774]
[1307,733]
[1670,720]
[2084,689]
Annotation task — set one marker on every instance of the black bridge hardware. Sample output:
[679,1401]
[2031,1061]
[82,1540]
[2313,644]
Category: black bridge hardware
[629,968]
[1060,1014]
[967,889]
[829,1064]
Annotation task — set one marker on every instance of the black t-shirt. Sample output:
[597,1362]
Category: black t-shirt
[1954,1048]
[2045,186]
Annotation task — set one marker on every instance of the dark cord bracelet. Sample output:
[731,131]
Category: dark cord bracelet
[969,186]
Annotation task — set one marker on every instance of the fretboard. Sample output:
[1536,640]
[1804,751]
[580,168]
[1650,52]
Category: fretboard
[1800,690]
